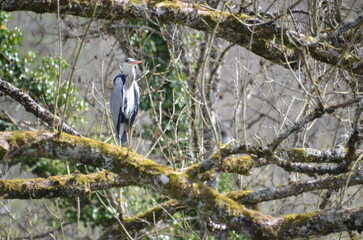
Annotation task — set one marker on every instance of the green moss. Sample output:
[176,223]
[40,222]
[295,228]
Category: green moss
[298,219]
[235,195]
[164,4]
[57,180]
[145,165]
[109,149]
[222,148]
[178,179]
[290,216]
[179,187]
[106,148]
[300,154]
[221,145]
[244,17]
[216,156]
[137,1]
[13,185]
[104,176]
[241,165]
[225,149]
[235,209]
[19,139]
[82,179]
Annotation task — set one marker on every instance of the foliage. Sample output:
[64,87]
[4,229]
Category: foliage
[39,76]
[36,76]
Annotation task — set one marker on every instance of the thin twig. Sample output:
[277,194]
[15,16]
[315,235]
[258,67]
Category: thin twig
[74,67]
[315,114]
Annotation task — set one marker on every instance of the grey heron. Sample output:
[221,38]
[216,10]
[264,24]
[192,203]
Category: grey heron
[124,100]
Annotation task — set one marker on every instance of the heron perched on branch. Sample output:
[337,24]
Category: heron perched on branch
[124,100]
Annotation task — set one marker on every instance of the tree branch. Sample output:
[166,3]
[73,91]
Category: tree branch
[244,197]
[320,222]
[69,186]
[296,188]
[315,114]
[351,24]
[189,192]
[227,159]
[312,155]
[270,41]
[32,106]
[144,220]
[136,169]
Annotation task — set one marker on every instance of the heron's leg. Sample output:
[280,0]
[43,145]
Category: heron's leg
[128,129]
[128,135]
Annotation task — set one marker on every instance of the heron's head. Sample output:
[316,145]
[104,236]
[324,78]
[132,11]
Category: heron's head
[128,65]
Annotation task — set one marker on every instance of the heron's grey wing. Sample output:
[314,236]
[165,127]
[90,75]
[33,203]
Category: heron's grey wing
[117,105]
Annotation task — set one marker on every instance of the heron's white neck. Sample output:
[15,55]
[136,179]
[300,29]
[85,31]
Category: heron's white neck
[130,71]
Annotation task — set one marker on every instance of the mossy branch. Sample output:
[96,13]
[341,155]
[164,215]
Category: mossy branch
[166,209]
[286,227]
[76,185]
[144,220]
[321,222]
[245,197]
[189,192]
[69,186]
[281,46]
[237,158]
[136,170]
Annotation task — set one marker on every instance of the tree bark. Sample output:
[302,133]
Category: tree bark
[279,45]
[181,186]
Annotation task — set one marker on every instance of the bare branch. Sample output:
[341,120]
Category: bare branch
[32,106]
[144,220]
[315,114]
[297,188]
[311,155]
[351,24]
[309,169]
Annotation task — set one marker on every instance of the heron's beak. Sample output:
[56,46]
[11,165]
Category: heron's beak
[136,62]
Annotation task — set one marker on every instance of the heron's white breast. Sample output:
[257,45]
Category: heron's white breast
[130,97]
